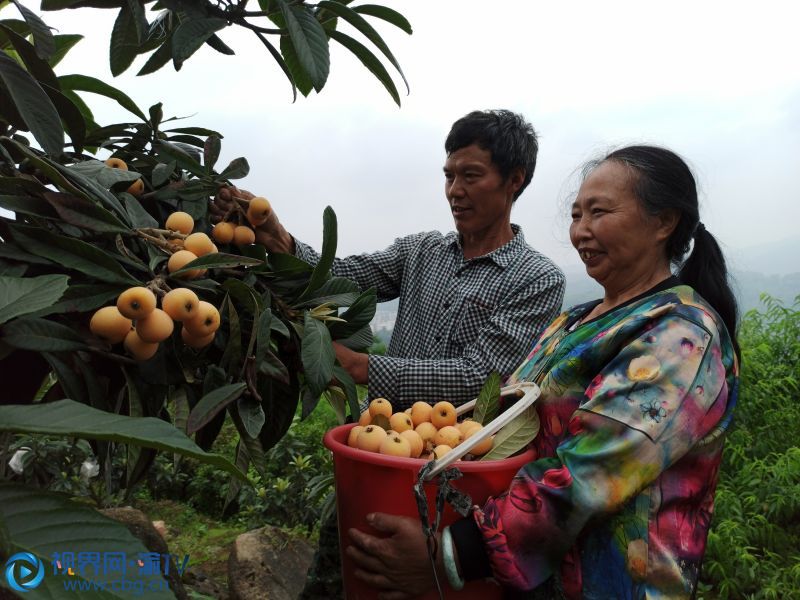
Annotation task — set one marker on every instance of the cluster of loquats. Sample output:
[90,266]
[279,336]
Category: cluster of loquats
[137,187]
[141,326]
[422,431]
[257,213]
[193,245]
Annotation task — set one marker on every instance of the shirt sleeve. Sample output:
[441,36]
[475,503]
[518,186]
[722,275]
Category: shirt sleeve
[645,410]
[509,333]
[382,270]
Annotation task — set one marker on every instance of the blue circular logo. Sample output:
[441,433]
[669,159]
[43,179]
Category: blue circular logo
[24,572]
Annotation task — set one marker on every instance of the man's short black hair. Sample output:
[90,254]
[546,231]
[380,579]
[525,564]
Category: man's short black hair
[507,136]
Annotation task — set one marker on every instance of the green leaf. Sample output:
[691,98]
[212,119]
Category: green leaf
[41,335]
[183,159]
[72,254]
[360,340]
[212,403]
[28,205]
[329,240]
[42,36]
[236,170]
[162,173]
[217,44]
[218,260]
[85,83]
[45,523]
[33,105]
[360,314]
[360,23]
[36,66]
[72,419]
[159,58]
[350,390]
[487,406]
[317,354]
[281,63]
[64,44]
[263,336]
[369,60]
[124,44]
[211,150]
[190,35]
[252,415]
[84,214]
[82,298]
[309,41]
[299,75]
[23,295]
[514,436]
[385,13]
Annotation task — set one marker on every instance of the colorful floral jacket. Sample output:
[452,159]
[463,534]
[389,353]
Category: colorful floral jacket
[633,412]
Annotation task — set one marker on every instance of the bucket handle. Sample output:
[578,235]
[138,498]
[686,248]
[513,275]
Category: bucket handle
[530,393]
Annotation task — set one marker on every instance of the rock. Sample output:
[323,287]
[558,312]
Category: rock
[268,563]
[198,582]
[141,527]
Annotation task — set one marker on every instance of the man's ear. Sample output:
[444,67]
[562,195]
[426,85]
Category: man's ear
[516,179]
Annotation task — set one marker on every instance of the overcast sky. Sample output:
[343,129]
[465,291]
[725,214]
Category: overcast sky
[716,81]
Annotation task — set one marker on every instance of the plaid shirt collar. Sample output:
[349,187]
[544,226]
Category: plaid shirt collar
[501,256]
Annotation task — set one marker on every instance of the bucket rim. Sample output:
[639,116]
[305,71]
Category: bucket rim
[336,441]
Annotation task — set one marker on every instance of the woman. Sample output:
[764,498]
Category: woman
[637,391]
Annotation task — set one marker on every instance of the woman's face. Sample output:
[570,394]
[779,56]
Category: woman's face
[621,246]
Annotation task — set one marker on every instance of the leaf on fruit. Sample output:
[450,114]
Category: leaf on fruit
[514,436]
[22,295]
[487,406]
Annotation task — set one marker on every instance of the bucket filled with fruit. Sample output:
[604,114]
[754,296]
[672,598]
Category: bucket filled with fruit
[377,463]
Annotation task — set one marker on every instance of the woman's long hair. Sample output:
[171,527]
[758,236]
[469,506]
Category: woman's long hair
[664,182]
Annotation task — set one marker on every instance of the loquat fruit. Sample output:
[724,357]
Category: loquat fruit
[180,304]
[258,211]
[370,438]
[427,431]
[243,235]
[205,321]
[155,327]
[443,414]
[180,259]
[116,163]
[467,426]
[198,243]
[352,437]
[136,188]
[415,441]
[110,325]
[448,436]
[420,412]
[395,445]
[223,232]
[180,221]
[380,406]
[441,450]
[196,342]
[365,418]
[136,302]
[138,348]
[483,447]
[400,422]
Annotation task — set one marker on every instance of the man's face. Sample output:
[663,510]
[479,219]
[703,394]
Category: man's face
[479,198]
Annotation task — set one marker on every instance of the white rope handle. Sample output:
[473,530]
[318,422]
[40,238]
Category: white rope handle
[529,391]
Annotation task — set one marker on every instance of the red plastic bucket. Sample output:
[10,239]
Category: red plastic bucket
[370,482]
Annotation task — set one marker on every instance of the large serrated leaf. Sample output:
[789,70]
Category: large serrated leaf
[237,169]
[34,106]
[350,390]
[82,298]
[22,295]
[124,44]
[385,13]
[329,241]
[41,335]
[370,61]
[218,260]
[85,83]
[84,214]
[68,418]
[191,34]
[309,40]
[46,524]
[359,314]
[487,406]
[515,436]
[317,354]
[42,36]
[72,254]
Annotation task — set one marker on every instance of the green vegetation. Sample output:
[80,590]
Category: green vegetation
[754,544]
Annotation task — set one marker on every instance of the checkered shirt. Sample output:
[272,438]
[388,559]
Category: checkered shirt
[458,320]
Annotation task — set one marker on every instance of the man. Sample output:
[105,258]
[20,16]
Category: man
[472,301]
